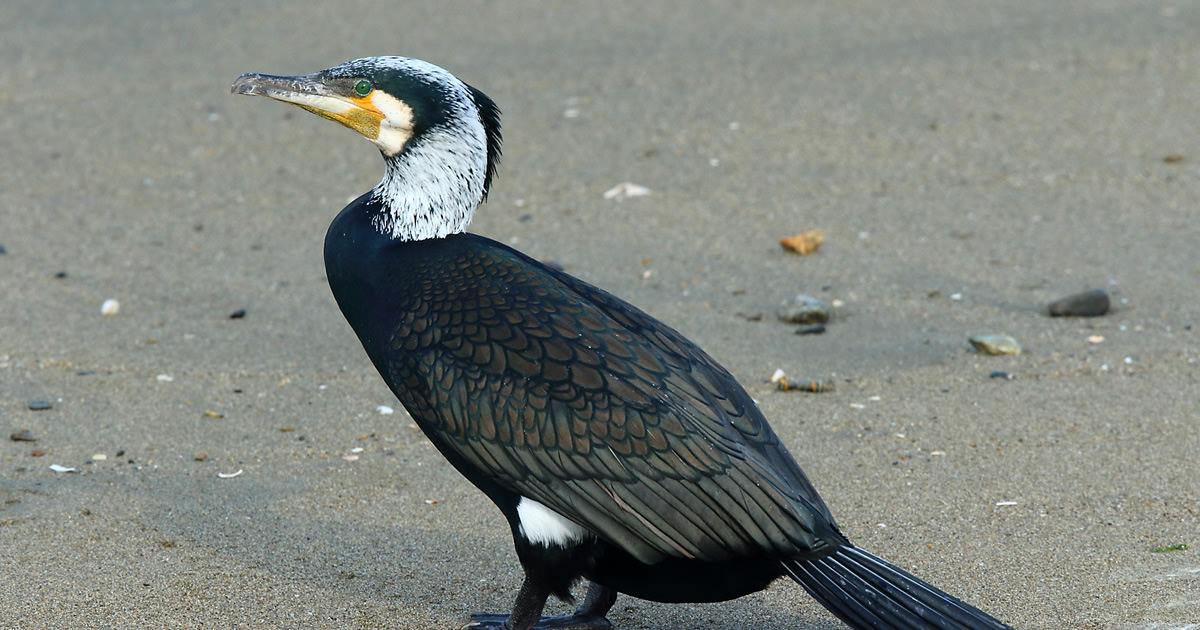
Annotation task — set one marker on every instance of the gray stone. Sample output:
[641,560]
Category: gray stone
[1092,303]
[803,309]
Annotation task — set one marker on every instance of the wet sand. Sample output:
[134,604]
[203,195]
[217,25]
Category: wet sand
[968,164]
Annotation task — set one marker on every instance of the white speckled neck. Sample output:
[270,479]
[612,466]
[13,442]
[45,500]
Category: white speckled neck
[432,187]
[436,178]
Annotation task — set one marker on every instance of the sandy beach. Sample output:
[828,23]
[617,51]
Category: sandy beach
[236,463]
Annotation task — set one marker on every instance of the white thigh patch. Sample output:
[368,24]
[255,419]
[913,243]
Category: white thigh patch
[541,525]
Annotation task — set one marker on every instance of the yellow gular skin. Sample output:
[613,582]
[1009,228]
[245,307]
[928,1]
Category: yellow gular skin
[359,114]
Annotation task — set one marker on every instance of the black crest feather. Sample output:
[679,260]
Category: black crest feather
[489,113]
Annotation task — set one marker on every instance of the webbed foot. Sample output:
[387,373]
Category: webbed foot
[499,621]
[527,612]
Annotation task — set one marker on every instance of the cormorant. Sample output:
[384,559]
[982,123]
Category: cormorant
[618,450]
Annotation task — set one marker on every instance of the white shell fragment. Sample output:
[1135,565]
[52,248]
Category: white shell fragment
[230,475]
[995,344]
[164,378]
[61,469]
[385,410]
[625,190]
[778,376]
[110,307]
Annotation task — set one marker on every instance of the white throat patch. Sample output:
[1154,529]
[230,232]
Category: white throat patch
[395,129]
[541,525]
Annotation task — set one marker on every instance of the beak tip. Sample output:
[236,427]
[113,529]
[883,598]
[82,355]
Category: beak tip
[244,84]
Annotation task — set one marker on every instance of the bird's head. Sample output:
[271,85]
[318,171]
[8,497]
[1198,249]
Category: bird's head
[440,136]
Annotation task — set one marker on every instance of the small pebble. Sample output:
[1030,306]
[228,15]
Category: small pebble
[99,457]
[1087,304]
[24,435]
[803,243]
[995,344]
[803,309]
[110,307]
[40,405]
[812,329]
[1001,374]
[2,250]
[216,415]
[238,314]
[37,453]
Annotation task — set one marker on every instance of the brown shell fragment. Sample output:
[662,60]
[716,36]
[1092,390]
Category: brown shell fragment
[804,243]
[811,387]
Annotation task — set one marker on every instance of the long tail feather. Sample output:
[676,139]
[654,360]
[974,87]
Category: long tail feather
[868,592]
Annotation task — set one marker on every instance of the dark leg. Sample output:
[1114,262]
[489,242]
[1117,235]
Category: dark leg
[597,602]
[527,612]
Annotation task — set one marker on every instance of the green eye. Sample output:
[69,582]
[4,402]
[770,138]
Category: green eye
[363,88]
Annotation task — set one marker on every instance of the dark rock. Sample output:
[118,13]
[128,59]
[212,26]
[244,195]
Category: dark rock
[812,329]
[1092,303]
[40,405]
[24,435]
[238,314]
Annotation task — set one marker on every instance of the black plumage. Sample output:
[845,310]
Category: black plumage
[618,451]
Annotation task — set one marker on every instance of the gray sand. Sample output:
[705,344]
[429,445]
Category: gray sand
[968,162]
